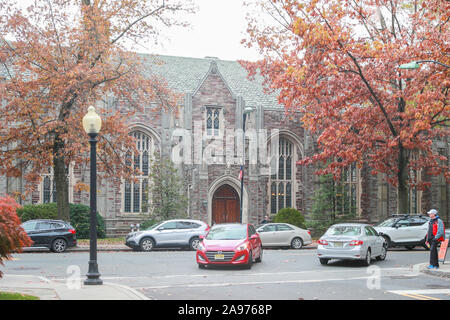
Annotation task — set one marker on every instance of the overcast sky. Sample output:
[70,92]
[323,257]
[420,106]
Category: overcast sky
[216,30]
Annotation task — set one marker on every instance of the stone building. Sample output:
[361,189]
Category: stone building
[215,95]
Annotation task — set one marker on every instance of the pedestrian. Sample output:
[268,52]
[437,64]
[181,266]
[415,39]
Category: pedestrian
[435,235]
[266,220]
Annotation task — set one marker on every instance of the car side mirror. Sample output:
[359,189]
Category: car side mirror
[201,237]
[160,229]
[254,236]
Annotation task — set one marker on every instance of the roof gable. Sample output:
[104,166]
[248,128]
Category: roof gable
[186,75]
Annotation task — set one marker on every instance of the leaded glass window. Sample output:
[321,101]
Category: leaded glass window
[136,198]
[282,180]
[213,121]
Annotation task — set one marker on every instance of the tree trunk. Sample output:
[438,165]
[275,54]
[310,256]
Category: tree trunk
[402,176]
[60,174]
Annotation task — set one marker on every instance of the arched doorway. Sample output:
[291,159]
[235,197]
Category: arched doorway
[225,205]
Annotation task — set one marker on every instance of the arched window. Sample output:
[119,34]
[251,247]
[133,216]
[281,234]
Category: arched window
[281,181]
[48,186]
[135,191]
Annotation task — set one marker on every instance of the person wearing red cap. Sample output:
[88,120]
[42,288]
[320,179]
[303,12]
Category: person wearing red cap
[434,236]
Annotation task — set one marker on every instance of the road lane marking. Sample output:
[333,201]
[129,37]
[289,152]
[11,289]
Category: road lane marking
[421,294]
[226,284]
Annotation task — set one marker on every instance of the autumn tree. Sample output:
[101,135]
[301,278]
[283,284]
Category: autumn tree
[57,57]
[12,235]
[337,61]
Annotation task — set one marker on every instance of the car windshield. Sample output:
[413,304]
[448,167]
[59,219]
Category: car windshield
[154,225]
[344,231]
[227,233]
[387,223]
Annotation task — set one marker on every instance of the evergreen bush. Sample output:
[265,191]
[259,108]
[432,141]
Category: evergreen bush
[291,216]
[79,217]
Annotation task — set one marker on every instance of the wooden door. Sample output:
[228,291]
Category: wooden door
[225,205]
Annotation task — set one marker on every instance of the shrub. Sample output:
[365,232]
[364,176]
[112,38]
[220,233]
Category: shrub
[38,211]
[79,217]
[12,236]
[291,216]
[80,220]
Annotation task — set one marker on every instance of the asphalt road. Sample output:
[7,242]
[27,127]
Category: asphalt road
[282,275]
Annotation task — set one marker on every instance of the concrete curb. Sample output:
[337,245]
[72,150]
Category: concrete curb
[442,272]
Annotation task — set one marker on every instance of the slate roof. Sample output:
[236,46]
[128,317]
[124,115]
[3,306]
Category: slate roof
[185,75]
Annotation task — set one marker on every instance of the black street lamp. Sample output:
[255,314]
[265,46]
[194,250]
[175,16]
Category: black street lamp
[247,111]
[92,124]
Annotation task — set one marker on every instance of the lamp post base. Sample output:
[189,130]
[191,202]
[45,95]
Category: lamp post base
[93,276]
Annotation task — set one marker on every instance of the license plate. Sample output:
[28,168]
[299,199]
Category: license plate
[338,244]
[219,256]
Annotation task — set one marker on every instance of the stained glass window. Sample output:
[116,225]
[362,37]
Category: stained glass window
[136,197]
[281,181]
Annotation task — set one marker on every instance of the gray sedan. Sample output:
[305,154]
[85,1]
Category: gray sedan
[351,242]
[171,233]
[283,235]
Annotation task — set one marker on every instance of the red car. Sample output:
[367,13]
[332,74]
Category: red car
[230,244]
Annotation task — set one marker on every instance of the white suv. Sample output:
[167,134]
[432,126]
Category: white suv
[404,231]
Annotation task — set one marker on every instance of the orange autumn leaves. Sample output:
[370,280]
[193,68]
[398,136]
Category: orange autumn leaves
[57,58]
[335,66]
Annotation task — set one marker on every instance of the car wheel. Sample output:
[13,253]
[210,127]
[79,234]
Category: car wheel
[383,254]
[250,260]
[147,244]
[296,243]
[193,243]
[59,245]
[323,261]
[368,258]
[388,241]
[260,255]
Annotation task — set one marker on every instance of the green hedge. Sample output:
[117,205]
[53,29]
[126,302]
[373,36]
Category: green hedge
[79,217]
[291,216]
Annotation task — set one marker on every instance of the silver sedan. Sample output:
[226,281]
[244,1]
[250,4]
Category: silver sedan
[351,242]
[283,235]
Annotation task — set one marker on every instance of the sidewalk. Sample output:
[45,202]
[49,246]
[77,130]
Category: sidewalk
[46,289]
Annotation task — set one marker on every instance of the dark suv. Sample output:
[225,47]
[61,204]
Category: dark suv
[56,235]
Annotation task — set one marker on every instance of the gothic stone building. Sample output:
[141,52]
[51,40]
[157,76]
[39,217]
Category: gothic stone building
[215,94]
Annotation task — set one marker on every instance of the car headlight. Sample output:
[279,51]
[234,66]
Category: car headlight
[242,247]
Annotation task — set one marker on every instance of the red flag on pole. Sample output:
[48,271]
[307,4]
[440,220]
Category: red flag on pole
[240,174]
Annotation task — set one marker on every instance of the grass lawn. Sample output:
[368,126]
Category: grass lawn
[16,296]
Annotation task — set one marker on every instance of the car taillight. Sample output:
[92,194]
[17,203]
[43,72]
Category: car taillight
[323,242]
[356,243]
[73,231]
[309,232]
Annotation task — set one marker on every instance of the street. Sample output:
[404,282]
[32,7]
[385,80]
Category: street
[282,275]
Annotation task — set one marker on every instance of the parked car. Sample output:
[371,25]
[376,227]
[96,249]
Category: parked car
[405,231]
[283,235]
[230,244]
[56,235]
[169,234]
[351,242]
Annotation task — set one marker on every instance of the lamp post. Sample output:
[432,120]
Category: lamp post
[415,64]
[92,124]
[247,111]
